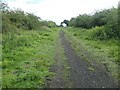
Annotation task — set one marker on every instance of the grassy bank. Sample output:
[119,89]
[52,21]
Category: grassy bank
[27,57]
[104,52]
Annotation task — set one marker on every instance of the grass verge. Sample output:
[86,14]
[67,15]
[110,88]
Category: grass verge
[27,57]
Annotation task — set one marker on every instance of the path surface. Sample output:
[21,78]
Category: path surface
[58,81]
[82,74]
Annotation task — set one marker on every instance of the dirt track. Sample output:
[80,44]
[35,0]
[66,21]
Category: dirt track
[83,74]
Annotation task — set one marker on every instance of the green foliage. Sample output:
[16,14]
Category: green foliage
[51,24]
[83,21]
[72,22]
[107,18]
[14,20]
[112,25]
[97,33]
[97,38]
[18,19]
[27,57]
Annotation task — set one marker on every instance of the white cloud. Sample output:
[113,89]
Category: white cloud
[58,10]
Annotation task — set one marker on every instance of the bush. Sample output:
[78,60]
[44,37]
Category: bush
[97,33]
[20,20]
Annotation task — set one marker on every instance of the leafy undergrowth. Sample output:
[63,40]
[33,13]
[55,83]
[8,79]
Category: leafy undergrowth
[27,57]
[103,51]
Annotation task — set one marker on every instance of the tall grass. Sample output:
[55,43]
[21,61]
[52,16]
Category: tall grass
[27,57]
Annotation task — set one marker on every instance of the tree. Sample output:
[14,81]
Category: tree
[107,18]
[65,22]
[72,22]
[51,24]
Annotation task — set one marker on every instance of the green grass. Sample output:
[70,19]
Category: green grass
[102,51]
[0,61]
[27,57]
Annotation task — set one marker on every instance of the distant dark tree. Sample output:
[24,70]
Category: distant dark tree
[65,22]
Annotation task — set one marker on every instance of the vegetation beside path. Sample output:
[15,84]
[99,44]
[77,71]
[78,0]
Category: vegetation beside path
[104,52]
[27,58]
[28,46]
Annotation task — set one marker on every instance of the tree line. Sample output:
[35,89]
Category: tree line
[108,18]
[18,19]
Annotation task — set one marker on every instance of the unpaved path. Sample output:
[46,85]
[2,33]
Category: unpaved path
[58,81]
[61,78]
[82,74]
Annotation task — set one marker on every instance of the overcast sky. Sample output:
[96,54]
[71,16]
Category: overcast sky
[58,10]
